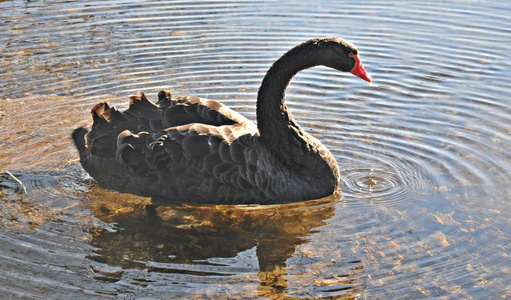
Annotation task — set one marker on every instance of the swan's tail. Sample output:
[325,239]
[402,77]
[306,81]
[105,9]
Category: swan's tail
[78,136]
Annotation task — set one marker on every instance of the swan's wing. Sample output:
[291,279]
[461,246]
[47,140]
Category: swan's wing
[128,151]
[194,162]
[144,115]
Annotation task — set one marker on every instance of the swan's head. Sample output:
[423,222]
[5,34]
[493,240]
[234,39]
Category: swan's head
[342,55]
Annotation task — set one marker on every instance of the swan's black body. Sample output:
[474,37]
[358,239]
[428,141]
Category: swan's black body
[196,150]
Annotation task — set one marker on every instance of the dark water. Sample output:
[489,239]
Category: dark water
[423,152]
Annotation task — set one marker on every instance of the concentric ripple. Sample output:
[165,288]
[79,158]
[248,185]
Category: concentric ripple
[377,185]
[423,153]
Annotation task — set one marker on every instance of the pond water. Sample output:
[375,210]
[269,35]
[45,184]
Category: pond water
[424,152]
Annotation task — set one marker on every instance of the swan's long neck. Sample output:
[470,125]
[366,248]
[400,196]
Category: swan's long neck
[274,120]
[290,149]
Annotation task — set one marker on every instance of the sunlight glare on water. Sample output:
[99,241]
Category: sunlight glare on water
[423,152]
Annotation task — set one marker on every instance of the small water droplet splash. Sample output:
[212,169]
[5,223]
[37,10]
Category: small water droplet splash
[371,182]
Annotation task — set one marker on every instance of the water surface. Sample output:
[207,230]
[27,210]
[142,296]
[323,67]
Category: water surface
[423,152]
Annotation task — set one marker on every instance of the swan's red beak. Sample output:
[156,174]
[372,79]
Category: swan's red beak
[359,69]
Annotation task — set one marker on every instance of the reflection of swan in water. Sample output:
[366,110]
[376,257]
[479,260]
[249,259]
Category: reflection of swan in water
[194,234]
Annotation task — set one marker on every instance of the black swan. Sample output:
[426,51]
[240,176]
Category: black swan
[194,150]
